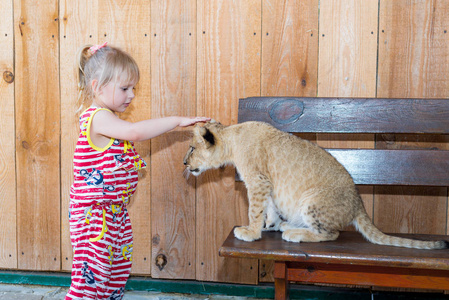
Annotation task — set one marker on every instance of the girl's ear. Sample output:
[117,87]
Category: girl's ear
[94,85]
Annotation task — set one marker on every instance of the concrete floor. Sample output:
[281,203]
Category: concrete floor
[35,292]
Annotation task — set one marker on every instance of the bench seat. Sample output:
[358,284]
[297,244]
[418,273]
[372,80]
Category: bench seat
[350,260]
[350,248]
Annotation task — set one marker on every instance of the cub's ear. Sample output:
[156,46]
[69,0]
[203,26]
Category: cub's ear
[208,136]
[198,129]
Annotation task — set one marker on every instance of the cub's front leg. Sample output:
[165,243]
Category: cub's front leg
[258,195]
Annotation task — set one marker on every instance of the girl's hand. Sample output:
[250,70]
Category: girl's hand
[191,121]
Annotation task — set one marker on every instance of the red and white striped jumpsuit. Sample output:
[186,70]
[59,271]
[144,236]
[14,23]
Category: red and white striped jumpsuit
[100,228]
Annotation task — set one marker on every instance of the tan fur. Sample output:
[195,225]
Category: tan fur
[293,185]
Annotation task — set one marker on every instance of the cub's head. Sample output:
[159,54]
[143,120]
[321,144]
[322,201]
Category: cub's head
[207,149]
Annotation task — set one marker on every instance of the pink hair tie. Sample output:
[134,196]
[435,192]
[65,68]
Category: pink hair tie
[95,48]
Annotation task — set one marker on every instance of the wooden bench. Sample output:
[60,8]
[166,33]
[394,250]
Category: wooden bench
[350,260]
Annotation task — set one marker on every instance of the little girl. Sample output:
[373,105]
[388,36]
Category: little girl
[105,172]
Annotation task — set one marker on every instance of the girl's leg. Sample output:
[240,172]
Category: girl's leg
[91,269]
[83,282]
[121,267]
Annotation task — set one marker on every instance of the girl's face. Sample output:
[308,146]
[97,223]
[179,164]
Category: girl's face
[116,96]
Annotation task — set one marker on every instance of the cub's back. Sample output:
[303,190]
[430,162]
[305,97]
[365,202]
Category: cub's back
[284,157]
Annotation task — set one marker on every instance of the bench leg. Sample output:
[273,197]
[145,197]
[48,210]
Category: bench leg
[280,281]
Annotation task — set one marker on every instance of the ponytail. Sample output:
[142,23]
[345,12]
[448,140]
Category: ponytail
[82,57]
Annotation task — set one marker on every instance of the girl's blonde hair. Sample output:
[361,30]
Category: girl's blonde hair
[107,64]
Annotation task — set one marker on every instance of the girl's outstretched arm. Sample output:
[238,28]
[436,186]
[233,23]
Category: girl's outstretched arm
[107,125]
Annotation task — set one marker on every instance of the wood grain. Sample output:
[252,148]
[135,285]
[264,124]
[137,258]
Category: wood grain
[413,49]
[361,275]
[411,209]
[394,167]
[348,48]
[228,60]
[347,56]
[8,200]
[126,24]
[37,116]
[173,73]
[350,260]
[289,48]
[78,27]
[413,52]
[343,115]
[350,248]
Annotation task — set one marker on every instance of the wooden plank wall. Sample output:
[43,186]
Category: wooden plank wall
[199,57]
[8,212]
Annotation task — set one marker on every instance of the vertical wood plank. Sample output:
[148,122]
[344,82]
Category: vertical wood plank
[347,64]
[37,118]
[228,62]
[410,210]
[8,201]
[281,280]
[348,48]
[78,27]
[289,48]
[347,59]
[173,73]
[413,49]
[413,62]
[289,59]
[126,24]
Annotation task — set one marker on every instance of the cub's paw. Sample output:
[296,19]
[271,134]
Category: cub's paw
[285,226]
[292,236]
[245,234]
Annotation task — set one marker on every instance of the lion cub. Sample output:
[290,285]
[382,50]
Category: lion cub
[293,185]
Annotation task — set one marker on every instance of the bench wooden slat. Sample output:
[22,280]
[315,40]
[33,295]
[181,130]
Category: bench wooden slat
[348,115]
[395,167]
[349,249]
[368,276]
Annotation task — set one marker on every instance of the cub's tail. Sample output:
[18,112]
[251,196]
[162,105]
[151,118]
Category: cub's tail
[365,226]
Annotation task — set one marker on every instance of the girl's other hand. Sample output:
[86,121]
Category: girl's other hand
[191,121]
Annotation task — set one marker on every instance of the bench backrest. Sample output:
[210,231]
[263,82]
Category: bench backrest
[356,115]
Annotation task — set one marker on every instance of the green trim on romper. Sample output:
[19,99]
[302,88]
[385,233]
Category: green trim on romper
[137,283]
